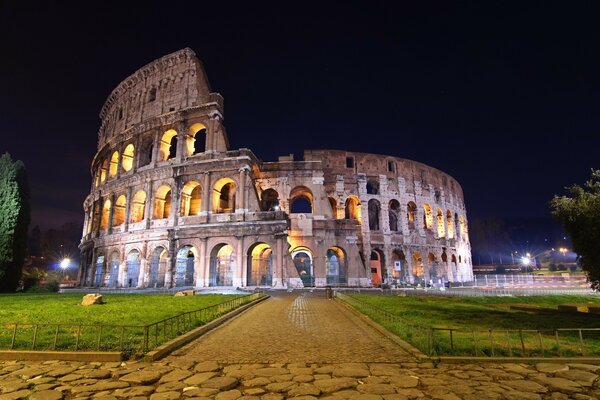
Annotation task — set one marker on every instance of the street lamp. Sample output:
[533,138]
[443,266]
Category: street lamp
[64,264]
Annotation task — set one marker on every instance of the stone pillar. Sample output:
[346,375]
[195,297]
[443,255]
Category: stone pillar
[168,272]
[206,191]
[238,273]
[156,148]
[240,207]
[204,266]
[278,270]
[142,282]
[176,199]
[110,213]
[384,218]
[181,139]
[127,210]
[149,208]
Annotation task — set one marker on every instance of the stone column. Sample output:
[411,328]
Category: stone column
[176,200]
[142,273]
[202,278]
[181,139]
[238,273]
[127,210]
[110,214]
[206,191]
[149,207]
[239,208]
[278,270]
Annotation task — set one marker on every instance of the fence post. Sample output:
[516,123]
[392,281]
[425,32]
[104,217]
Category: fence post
[35,329]
[146,334]
[14,336]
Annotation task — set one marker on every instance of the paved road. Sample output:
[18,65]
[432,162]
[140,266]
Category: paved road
[295,327]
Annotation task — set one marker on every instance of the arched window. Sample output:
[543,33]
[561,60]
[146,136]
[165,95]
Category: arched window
[138,206]
[398,264]
[127,158]
[168,145]
[431,264]
[184,268]
[449,224]
[270,200]
[377,264]
[336,266]
[103,170]
[224,196]
[444,256]
[372,186]
[352,210]
[440,223]
[222,265]
[119,211]
[162,202]
[111,278]
[333,204]
[114,163]
[105,214]
[302,258]
[196,139]
[260,265]
[152,95]
[417,265]
[374,208]
[158,267]
[301,200]
[462,226]
[394,213]
[133,268]
[190,199]
[411,213]
[427,217]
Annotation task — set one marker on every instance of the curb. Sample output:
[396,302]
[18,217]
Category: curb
[180,341]
[85,356]
[413,351]
[560,360]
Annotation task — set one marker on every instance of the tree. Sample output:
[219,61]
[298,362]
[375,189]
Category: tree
[14,221]
[579,212]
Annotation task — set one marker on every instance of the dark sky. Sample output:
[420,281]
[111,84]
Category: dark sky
[502,96]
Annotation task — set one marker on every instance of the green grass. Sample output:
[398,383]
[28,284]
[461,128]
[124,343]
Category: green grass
[474,317]
[114,326]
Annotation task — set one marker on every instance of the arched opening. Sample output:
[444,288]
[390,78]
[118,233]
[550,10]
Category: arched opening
[372,186]
[374,208]
[222,264]
[190,199]
[394,213]
[103,170]
[105,214]
[462,226]
[184,267]
[168,145]
[260,265]
[270,200]
[454,266]
[450,224]
[114,163]
[158,267]
[335,267]
[352,209]
[398,264]
[127,158]
[427,217]
[377,267]
[119,211]
[138,206]
[162,202]
[111,278]
[418,270]
[133,268]
[301,200]
[100,269]
[223,200]
[456,225]
[196,139]
[411,212]
[302,258]
[441,230]
[333,205]
[432,263]
[444,256]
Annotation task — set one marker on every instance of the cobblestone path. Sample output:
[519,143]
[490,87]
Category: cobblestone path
[294,327]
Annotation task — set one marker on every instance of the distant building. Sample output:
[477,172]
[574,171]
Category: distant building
[172,205]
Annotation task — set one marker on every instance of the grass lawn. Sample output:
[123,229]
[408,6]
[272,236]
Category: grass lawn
[480,314]
[116,325]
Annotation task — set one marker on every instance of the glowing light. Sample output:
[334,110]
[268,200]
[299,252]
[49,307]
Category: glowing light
[525,261]
[65,263]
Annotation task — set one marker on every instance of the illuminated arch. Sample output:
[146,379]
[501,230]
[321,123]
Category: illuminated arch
[119,210]
[105,214]
[336,268]
[222,265]
[374,211]
[195,141]
[269,200]
[162,202]
[352,208]
[301,200]
[223,196]
[114,164]
[462,226]
[260,265]
[394,215]
[138,206]
[333,204]
[127,157]
[303,261]
[133,268]
[398,264]
[111,277]
[427,217]
[190,199]
[168,145]
[103,170]
[377,265]
[441,230]
[449,224]
[158,267]
[184,267]
[417,265]
[411,213]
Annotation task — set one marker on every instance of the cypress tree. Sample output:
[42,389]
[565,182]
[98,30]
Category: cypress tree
[14,221]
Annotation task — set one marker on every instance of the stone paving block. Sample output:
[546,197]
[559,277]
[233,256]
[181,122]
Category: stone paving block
[376,388]
[207,366]
[198,378]
[19,394]
[46,395]
[175,375]
[142,377]
[229,395]
[550,368]
[165,396]
[584,378]
[170,387]
[516,395]
[134,391]
[221,383]
[335,384]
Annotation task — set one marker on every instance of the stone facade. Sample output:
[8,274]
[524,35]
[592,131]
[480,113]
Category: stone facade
[172,205]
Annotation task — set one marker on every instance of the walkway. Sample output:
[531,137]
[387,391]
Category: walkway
[295,327]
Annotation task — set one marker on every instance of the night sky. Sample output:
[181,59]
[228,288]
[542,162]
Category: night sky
[502,97]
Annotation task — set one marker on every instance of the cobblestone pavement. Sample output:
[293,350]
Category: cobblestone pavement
[326,335]
[296,327]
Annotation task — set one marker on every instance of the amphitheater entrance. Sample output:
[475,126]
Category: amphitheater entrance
[399,265]
[158,267]
[184,267]
[260,265]
[221,265]
[417,262]
[133,268]
[99,270]
[111,278]
[377,272]
[336,266]
[303,261]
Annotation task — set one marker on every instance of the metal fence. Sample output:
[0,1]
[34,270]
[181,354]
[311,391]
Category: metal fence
[434,341]
[129,339]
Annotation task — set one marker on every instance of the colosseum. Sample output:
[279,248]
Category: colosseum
[171,205]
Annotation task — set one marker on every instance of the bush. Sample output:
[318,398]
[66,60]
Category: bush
[51,286]
[552,267]
[562,267]
[573,268]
